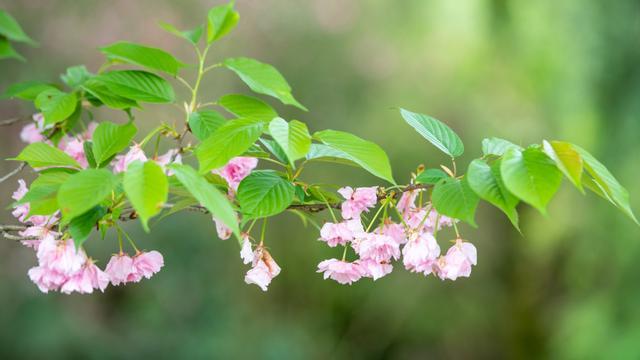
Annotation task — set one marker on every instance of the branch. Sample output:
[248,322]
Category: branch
[12,173]
[12,121]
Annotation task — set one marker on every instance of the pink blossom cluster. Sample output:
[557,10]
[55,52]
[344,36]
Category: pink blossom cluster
[413,241]
[263,267]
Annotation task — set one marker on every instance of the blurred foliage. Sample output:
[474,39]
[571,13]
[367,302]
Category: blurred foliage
[514,69]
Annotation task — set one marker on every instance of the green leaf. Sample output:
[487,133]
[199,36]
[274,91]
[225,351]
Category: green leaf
[293,138]
[264,193]
[431,176]
[567,159]
[10,29]
[138,85]
[40,154]
[263,79]
[203,123]
[28,90]
[454,198]
[435,131]
[606,182]
[531,175]
[75,76]
[87,147]
[84,190]
[147,189]
[247,107]
[109,139]
[220,21]
[8,52]
[486,181]
[42,192]
[145,56]
[101,92]
[230,140]
[497,146]
[193,36]
[368,155]
[207,194]
[275,149]
[322,152]
[80,227]
[56,106]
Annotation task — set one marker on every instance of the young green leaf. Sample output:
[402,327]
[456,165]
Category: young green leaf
[220,21]
[208,195]
[486,181]
[80,227]
[8,52]
[76,76]
[230,140]
[264,193]
[145,56]
[203,123]
[55,105]
[435,131]
[84,190]
[496,146]
[606,182]
[322,152]
[530,175]
[431,176]
[567,159]
[28,90]
[138,85]
[293,137]
[247,107]
[147,189]
[40,154]
[368,155]
[109,139]
[454,198]
[100,91]
[263,79]
[193,36]
[10,29]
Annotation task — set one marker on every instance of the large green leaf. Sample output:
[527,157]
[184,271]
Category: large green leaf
[230,140]
[7,51]
[138,85]
[28,90]
[324,153]
[497,146]
[431,176]
[55,105]
[44,155]
[435,131]
[454,198]
[263,79]
[607,184]
[109,139]
[84,190]
[567,159]
[10,29]
[220,21]
[264,193]
[193,36]
[486,181]
[147,189]
[81,227]
[101,91]
[203,123]
[368,155]
[293,137]
[531,175]
[42,191]
[247,107]
[149,57]
[208,195]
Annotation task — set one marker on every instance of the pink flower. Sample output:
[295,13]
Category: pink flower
[32,133]
[46,279]
[341,233]
[75,149]
[166,159]
[407,201]
[379,248]
[263,271]
[224,232]
[341,271]
[39,232]
[20,211]
[458,261]
[146,264]
[236,170]
[358,200]
[60,256]
[375,269]
[395,231]
[91,128]
[420,253]
[120,269]
[246,253]
[123,161]
[84,281]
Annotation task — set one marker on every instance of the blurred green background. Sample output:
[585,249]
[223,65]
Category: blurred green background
[522,70]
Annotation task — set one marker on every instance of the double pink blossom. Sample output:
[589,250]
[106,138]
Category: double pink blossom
[170,157]
[395,231]
[373,269]
[246,253]
[341,271]
[458,261]
[264,269]
[420,253]
[341,233]
[75,148]
[236,170]
[122,162]
[88,278]
[358,200]
[32,132]
[59,263]
[377,247]
[123,269]
[224,232]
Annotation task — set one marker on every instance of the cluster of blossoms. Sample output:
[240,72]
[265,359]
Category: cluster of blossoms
[61,265]
[413,240]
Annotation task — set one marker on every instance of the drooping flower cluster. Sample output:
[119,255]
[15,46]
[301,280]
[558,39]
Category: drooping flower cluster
[413,240]
[263,267]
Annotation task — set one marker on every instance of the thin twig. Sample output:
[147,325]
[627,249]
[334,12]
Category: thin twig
[12,173]
[11,121]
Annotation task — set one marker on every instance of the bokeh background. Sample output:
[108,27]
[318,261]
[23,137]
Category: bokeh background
[522,70]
